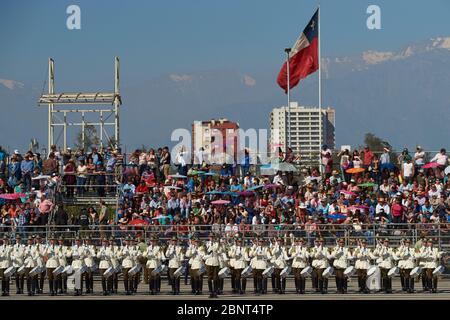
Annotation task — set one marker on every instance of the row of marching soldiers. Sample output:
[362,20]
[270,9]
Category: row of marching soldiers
[262,260]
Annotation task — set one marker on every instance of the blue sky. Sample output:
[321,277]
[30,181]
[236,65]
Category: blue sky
[157,37]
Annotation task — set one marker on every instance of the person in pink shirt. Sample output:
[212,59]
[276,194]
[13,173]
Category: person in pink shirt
[46,206]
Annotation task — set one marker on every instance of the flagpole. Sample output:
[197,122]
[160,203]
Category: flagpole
[320,91]
[288,126]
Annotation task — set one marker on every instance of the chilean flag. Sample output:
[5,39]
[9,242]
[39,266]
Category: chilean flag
[303,58]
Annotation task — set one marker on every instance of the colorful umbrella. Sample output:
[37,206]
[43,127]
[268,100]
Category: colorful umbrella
[177,176]
[367,184]
[195,172]
[355,170]
[430,165]
[336,216]
[255,188]
[214,192]
[208,174]
[138,222]
[359,207]
[12,196]
[41,177]
[246,193]
[447,170]
[220,202]
[348,192]
[272,186]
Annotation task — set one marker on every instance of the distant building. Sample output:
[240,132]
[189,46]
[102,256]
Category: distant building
[304,129]
[218,138]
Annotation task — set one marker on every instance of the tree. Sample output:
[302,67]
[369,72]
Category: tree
[375,143]
[90,137]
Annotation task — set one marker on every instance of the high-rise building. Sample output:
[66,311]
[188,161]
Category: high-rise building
[304,129]
[218,138]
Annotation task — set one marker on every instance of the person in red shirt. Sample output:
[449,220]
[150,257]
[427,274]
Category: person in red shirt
[397,211]
[142,188]
[368,157]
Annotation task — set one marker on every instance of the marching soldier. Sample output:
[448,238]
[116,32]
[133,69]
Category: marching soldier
[115,263]
[174,254]
[212,267]
[78,253]
[406,262]
[279,261]
[138,261]
[90,264]
[341,256]
[252,264]
[127,254]
[104,255]
[155,256]
[238,260]
[62,252]
[261,255]
[31,256]
[400,262]
[5,263]
[431,257]
[385,261]
[40,247]
[196,253]
[362,264]
[300,254]
[52,263]
[320,255]
[17,257]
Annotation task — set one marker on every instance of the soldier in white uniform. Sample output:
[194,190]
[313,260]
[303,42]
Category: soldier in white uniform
[223,262]
[213,253]
[195,253]
[115,262]
[90,263]
[279,260]
[155,256]
[431,257]
[63,252]
[363,255]
[341,256]
[104,254]
[50,253]
[40,247]
[262,256]
[31,257]
[17,257]
[300,254]
[174,253]
[78,252]
[319,255]
[5,263]
[406,257]
[385,261]
[127,254]
[239,258]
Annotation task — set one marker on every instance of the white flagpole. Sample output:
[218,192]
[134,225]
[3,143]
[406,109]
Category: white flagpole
[288,125]
[320,92]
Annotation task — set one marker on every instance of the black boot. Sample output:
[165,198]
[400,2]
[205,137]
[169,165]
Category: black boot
[403,283]
[127,289]
[283,285]
[158,284]
[411,285]
[237,286]
[320,285]
[264,285]
[210,288]
[221,282]
[325,285]
[338,285]
[302,285]
[255,285]
[435,283]
[244,286]
[17,284]
[151,286]
[50,287]
[389,285]
[274,286]
[344,284]
[3,287]
[104,286]
[193,286]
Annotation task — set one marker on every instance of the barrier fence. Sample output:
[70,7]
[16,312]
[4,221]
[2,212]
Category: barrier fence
[440,233]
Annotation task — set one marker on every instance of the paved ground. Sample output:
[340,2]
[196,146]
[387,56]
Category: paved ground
[143,294]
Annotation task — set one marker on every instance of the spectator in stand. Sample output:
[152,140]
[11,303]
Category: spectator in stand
[70,177]
[441,158]
[82,172]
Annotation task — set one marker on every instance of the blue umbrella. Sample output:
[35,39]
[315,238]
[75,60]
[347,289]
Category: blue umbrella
[214,192]
[255,188]
[336,216]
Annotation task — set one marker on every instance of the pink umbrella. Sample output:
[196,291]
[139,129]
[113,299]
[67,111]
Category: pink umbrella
[246,193]
[12,196]
[271,185]
[348,192]
[220,202]
[430,165]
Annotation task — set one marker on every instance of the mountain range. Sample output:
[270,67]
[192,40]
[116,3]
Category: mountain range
[402,96]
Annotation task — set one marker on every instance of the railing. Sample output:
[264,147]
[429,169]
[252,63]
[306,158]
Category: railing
[373,233]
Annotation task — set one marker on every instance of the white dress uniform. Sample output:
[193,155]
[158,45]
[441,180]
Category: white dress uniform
[213,255]
[363,257]
[127,253]
[32,257]
[406,257]
[104,254]
[90,254]
[279,257]
[62,252]
[155,256]
[17,255]
[175,255]
[341,256]
[239,257]
[300,256]
[320,257]
[385,257]
[52,256]
[262,257]
[196,255]
[5,256]
[78,254]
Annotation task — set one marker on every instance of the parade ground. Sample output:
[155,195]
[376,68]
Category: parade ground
[143,294]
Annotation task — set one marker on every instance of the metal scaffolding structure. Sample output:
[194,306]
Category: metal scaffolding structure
[84,99]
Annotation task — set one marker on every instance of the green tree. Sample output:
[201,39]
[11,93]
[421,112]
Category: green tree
[375,143]
[90,137]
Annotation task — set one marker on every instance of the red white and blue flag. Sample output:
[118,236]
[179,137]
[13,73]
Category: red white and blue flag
[304,56]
